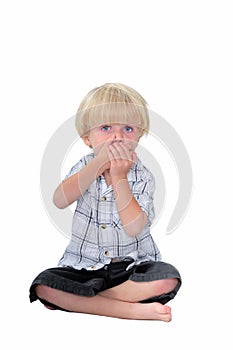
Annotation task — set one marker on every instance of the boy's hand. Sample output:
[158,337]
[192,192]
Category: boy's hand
[121,159]
[103,156]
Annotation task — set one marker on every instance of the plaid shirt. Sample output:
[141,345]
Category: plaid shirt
[97,233]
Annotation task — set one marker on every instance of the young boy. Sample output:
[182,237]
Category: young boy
[112,266]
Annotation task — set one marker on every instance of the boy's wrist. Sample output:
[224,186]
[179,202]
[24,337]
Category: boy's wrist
[116,179]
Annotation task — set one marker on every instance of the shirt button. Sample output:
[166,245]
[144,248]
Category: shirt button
[106,253]
[103,226]
[104,198]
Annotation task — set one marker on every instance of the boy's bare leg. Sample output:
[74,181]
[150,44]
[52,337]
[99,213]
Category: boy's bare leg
[104,306]
[136,291]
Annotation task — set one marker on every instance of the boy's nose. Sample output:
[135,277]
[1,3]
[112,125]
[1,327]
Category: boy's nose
[118,134]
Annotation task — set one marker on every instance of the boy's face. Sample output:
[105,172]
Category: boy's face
[127,133]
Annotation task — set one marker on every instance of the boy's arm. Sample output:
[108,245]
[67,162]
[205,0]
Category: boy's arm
[133,218]
[73,187]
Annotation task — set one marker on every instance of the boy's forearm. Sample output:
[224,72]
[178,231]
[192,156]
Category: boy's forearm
[73,187]
[132,217]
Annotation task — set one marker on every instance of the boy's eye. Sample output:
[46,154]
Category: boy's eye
[128,128]
[106,128]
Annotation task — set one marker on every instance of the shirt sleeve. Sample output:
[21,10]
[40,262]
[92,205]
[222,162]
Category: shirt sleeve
[144,194]
[78,166]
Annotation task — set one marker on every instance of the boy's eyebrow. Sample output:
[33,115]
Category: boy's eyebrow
[105,124]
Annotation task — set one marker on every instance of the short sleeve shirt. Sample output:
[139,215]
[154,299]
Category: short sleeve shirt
[97,233]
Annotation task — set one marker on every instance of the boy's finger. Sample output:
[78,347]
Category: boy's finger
[125,152]
[119,151]
[114,152]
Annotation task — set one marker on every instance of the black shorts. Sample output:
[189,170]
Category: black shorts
[89,283]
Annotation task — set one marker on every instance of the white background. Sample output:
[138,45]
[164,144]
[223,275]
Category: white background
[178,55]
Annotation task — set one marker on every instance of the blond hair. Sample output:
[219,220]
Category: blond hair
[112,103]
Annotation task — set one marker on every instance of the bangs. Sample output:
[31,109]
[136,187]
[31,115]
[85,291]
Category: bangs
[110,113]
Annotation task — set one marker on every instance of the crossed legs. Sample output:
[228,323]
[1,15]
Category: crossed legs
[121,301]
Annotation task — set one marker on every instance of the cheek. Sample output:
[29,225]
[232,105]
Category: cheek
[95,141]
[98,144]
[131,143]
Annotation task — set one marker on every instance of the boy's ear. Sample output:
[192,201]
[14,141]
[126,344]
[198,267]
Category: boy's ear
[86,140]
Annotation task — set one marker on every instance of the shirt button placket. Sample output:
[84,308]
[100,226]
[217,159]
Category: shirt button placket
[102,219]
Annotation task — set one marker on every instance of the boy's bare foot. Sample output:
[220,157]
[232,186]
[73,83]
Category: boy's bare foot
[154,311]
